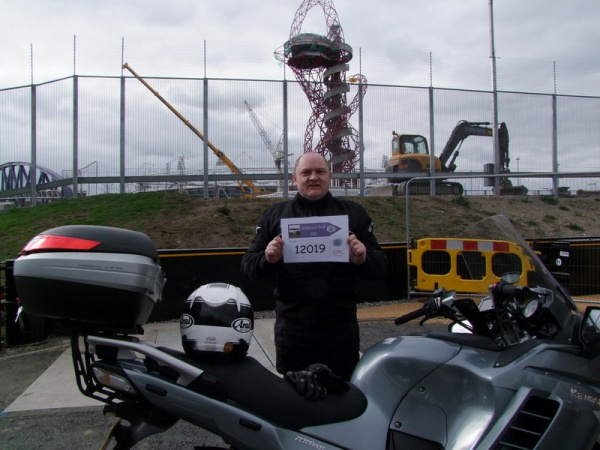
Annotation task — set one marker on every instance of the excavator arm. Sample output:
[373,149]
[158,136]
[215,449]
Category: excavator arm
[503,140]
[465,129]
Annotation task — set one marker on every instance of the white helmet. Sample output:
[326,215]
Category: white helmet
[217,318]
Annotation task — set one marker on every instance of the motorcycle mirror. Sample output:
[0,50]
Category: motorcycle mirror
[511,277]
[450,295]
[590,329]
[486,304]
[449,298]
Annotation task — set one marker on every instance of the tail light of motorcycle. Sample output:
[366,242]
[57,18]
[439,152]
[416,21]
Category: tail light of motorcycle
[47,242]
[112,380]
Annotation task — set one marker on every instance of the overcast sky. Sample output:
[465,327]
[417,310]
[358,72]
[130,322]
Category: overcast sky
[542,46]
[395,39]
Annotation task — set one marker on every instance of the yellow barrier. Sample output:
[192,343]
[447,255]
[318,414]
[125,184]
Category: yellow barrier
[464,265]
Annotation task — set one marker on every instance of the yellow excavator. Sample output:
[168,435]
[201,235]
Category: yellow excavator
[410,155]
[245,185]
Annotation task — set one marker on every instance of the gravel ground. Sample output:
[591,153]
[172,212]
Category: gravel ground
[86,428]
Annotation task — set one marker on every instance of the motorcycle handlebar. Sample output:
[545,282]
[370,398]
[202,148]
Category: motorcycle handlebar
[410,316]
[511,289]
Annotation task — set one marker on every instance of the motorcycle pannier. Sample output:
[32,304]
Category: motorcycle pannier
[92,274]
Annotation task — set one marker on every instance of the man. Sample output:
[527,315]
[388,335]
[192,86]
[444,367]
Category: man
[315,301]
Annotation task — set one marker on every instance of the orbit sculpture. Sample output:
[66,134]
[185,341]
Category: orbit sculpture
[320,64]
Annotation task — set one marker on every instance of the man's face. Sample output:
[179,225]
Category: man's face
[312,176]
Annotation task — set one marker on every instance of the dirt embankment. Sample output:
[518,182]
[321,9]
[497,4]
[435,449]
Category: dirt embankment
[215,223]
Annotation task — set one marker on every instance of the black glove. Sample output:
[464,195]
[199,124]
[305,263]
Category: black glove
[314,381]
[331,381]
[306,384]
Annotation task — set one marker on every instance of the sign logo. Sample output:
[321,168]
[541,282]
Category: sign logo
[186,321]
[308,230]
[243,325]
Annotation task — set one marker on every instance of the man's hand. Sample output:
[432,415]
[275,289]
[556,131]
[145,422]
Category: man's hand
[274,250]
[358,251]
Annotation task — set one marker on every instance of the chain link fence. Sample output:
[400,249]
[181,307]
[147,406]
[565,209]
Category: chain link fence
[87,135]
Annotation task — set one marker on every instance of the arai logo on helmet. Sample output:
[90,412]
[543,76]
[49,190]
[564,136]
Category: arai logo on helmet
[186,321]
[243,325]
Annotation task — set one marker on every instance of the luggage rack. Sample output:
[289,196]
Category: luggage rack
[82,361]
[107,344]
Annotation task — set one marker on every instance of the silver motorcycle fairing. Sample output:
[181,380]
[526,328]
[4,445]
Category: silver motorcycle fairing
[461,398]
[386,373]
[485,396]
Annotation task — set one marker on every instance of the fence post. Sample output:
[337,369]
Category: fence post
[205,140]
[431,143]
[75,137]
[554,147]
[122,139]
[495,136]
[285,141]
[361,144]
[33,168]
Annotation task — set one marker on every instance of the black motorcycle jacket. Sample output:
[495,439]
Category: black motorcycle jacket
[328,288]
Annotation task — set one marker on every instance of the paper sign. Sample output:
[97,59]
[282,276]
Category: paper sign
[315,239]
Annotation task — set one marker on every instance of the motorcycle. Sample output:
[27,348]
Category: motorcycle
[517,369]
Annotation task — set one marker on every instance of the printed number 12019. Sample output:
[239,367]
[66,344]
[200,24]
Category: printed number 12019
[310,248]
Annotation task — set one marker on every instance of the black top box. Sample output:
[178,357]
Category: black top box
[91,274]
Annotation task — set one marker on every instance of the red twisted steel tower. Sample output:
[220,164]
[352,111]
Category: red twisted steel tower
[319,64]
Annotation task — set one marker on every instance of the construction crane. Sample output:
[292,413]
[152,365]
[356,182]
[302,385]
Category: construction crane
[276,152]
[254,190]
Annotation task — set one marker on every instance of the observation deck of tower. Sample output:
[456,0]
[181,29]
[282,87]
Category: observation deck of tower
[319,64]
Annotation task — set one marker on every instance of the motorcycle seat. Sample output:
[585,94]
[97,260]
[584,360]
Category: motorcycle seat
[259,391]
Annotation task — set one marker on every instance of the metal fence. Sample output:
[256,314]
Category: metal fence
[93,135]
